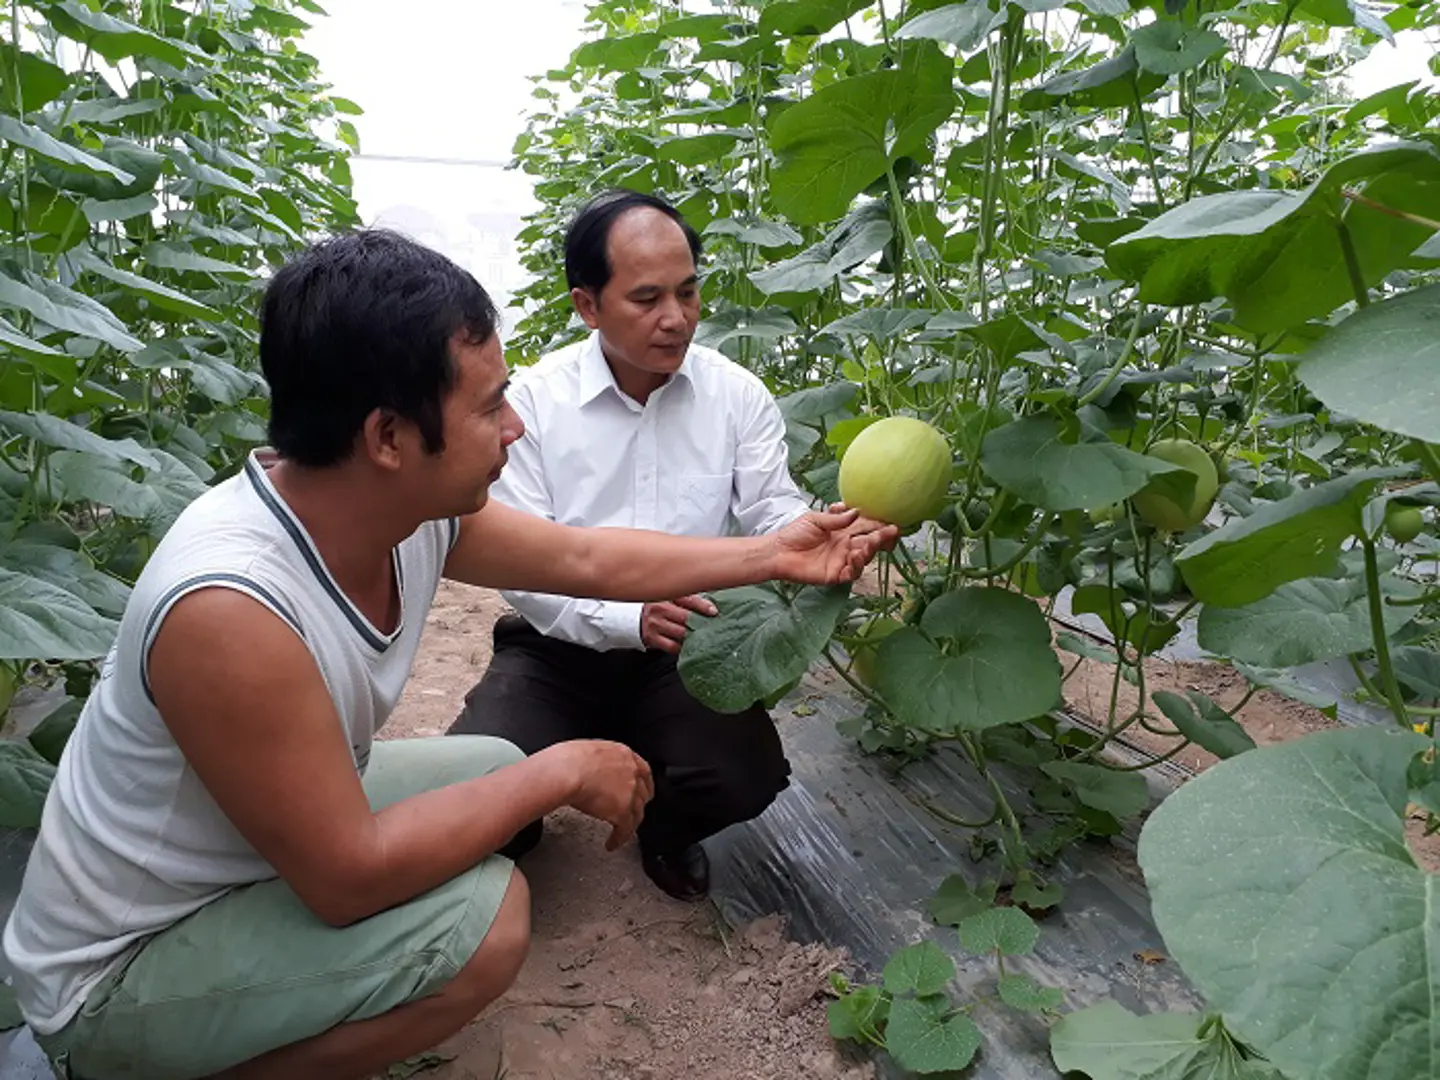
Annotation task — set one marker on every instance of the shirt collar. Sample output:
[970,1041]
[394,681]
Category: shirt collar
[596,376]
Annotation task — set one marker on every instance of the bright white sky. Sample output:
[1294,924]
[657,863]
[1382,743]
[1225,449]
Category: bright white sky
[451,79]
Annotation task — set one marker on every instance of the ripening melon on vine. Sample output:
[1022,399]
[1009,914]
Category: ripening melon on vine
[871,635]
[897,470]
[1403,523]
[1158,508]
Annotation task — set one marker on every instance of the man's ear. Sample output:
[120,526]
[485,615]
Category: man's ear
[587,304]
[383,439]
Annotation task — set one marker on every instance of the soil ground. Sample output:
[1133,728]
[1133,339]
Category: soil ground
[622,982]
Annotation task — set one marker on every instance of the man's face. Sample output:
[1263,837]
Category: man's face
[478,423]
[647,312]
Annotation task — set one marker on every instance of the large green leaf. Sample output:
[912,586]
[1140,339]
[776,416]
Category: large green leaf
[65,309]
[1007,931]
[925,1035]
[921,969]
[41,82]
[177,255]
[1276,255]
[765,324]
[1113,82]
[41,621]
[832,145]
[68,570]
[1299,623]
[864,232]
[1418,669]
[621,53]
[984,659]
[1122,794]
[758,644]
[964,25]
[1298,537]
[1382,365]
[160,295]
[787,18]
[25,779]
[116,39]
[1167,47]
[57,363]
[63,435]
[1030,458]
[1108,1042]
[79,475]
[1282,883]
[1204,723]
[46,145]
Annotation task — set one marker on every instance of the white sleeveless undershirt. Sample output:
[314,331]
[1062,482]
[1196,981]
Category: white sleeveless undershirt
[130,840]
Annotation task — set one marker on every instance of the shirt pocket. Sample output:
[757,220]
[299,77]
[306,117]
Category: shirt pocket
[703,504]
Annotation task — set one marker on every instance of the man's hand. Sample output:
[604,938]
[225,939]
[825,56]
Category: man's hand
[609,781]
[663,625]
[830,548]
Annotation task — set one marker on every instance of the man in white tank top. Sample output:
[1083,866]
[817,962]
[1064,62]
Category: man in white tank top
[231,878]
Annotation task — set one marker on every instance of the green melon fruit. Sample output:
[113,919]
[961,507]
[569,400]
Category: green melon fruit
[897,470]
[1158,509]
[1403,523]
[871,634]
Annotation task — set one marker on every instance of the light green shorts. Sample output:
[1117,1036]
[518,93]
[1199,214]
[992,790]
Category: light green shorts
[256,969]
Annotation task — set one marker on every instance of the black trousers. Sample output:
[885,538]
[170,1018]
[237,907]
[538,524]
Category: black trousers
[711,769]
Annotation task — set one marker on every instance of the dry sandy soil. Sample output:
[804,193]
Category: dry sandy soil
[622,982]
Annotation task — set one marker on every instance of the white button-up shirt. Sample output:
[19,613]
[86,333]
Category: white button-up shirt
[704,456]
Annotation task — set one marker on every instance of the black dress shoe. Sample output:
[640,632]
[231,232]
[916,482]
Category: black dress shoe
[683,874]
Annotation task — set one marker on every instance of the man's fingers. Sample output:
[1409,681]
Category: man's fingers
[833,520]
[698,604]
[668,628]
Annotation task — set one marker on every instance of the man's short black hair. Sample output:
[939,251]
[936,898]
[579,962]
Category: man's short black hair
[587,262]
[358,322]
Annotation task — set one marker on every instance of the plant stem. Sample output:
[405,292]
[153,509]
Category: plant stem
[1352,265]
[1428,457]
[1118,366]
[1403,215]
[1377,633]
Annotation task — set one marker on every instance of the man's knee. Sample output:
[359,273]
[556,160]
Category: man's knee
[493,967]
[745,782]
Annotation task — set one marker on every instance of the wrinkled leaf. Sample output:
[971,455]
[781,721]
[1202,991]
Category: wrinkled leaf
[1006,930]
[920,969]
[1108,1042]
[1283,885]
[1029,458]
[1204,723]
[757,644]
[984,659]
[42,621]
[1298,537]
[1382,365]
[25,778]
[922,1035]
[1299,623]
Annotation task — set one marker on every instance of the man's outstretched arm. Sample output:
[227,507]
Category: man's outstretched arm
[504,548]
[251,712]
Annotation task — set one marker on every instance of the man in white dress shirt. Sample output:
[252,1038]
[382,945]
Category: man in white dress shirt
[637,427]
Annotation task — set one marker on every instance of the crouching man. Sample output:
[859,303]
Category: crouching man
[232,878]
